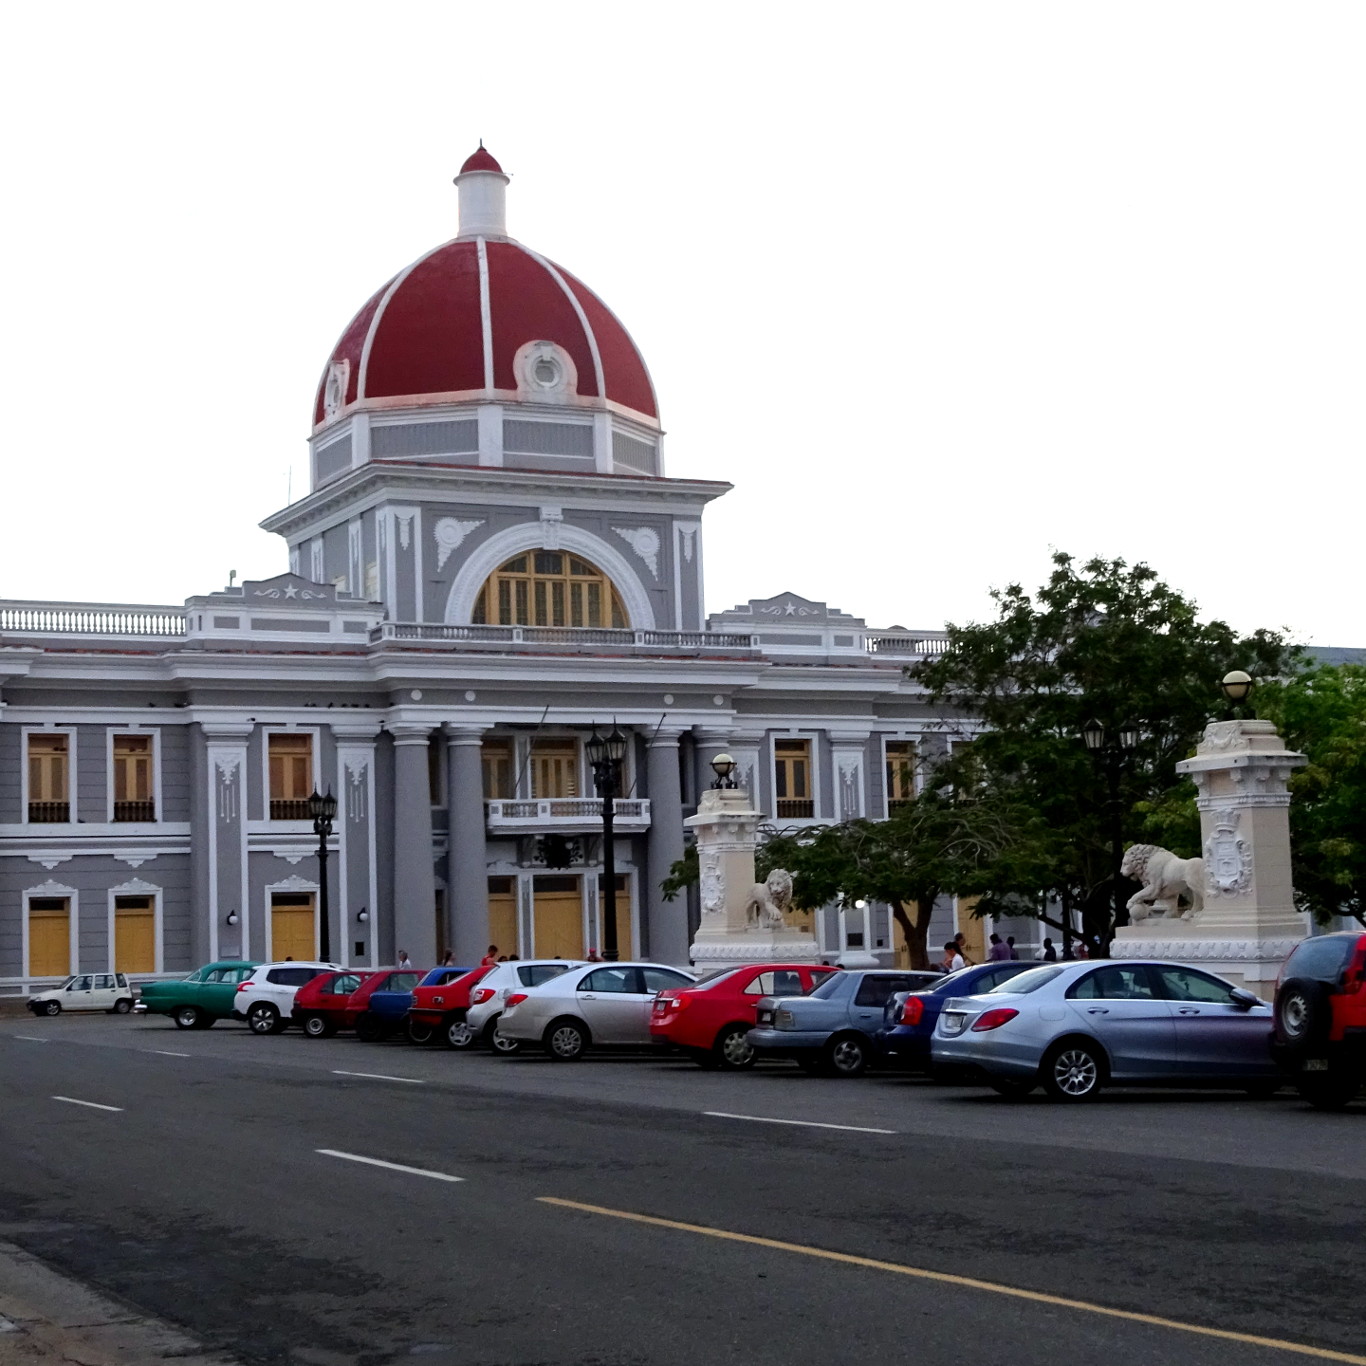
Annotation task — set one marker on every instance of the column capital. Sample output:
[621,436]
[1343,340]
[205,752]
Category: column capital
[410,732]
[666,737]
[236,732]
[463,732]
[849,739]
[353,731]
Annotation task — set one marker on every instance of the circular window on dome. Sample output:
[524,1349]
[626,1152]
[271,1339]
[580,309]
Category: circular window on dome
[545,371]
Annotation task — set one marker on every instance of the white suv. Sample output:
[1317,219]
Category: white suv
[493,989]
[264,1000]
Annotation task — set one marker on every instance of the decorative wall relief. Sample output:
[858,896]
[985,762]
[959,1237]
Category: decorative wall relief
[1228,857]
[644,541]
[850,767]
[334,391]
[709,882]
[357,789]
[405,528]
[689,535]
[228,766]
[551,519]
[450,533]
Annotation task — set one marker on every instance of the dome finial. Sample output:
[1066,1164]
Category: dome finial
[482,183]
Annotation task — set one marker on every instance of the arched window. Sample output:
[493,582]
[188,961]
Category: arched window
[548,588]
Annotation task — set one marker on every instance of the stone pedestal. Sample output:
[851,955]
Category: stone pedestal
[1249,921]
[726,825]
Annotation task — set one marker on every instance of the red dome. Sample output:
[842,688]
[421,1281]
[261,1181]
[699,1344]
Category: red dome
[480,160]
[424,334]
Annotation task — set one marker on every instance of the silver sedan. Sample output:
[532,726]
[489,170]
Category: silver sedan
[1076,1027]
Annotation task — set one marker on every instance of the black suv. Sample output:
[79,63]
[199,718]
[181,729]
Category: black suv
[1320,1034]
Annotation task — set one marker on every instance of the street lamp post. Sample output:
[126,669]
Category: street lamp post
[1236,685]
[323,809]
[605,756]
[1111,751]
[723,766]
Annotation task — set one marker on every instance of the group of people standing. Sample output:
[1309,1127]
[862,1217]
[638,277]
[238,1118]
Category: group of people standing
[999,951]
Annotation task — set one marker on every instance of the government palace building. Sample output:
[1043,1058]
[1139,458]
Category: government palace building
[491,561]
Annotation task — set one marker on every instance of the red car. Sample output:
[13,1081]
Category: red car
[709,1021]
[442,1008]
[320,1005]
[1320,1036]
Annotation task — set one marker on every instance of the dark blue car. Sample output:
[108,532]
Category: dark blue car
[904,1039]
[389,1003]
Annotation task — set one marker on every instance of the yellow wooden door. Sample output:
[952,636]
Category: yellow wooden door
[558,917]
[49,943]
[503,914]
[292,928]
[974,930]
[625,949]
[135,943]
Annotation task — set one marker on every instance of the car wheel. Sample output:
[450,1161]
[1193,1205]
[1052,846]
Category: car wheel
[123,1005]
[51,1008]
[1074,1071]
[1012,1088]
[733,1050]
[263,1018]
[1304,1014]
[369,1029]
[187,1017]
[565,1040]
[419,1032]
[1328,1093]
[457,1034]
[316,1027]
[846,1055]
[499,1042]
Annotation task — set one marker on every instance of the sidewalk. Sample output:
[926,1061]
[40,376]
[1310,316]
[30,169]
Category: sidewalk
[47,1319]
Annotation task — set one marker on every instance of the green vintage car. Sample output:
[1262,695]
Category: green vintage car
[196,1001]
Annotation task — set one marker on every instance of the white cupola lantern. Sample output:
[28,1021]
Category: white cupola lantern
[483,196]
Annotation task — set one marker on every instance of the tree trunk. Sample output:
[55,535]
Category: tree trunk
[916,928]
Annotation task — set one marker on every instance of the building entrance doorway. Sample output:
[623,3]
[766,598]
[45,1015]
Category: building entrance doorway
[49,936]
[503,914]
[135,934]
[293,926]
[625,948]
[557,917]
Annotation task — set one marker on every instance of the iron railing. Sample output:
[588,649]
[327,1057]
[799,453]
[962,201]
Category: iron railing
[89,619]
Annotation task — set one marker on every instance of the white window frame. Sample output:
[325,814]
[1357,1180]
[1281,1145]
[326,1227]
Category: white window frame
[73,898]
[110,733]
[917,777]
[813,738]
[137,887]
[266,733]
[71,783]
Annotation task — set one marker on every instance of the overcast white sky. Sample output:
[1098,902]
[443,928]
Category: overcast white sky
[937,286]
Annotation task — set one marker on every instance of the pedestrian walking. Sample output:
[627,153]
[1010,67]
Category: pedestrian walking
[960,944]
[998,952]
[490,958]
[448,959]
[1013,953]
[403,960]
[1050,954]
[952,960]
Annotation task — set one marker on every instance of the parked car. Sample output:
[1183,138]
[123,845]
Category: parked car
[199,1000]
[440,1007]
[107,991]
[598,1004]
[420,1031]
[265,998]
[1320,1018]
[490,996]
[832,1030]
[1078,1027]
[710,1021]
[379,1006]
[910,1017]
[320,1004]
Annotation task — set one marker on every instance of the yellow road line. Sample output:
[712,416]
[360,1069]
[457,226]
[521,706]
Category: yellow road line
[966,1282]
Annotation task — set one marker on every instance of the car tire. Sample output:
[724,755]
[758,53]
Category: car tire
[187,1017]
[733,1051]
[846,1055]
[369,1029]
[420,1033]
[1328,1092]
[1304,1014]
[565,1040]
[318,1027]
[263,1018]
[50,1008]
[456,1033]
[1012,1088]
[123,1005]
[500,1043]
[1074,1071]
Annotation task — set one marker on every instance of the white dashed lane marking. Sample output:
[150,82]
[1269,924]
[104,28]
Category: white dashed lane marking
[89,1104]
[803,1123]
[166,1053]
[388,1166]
[377,1076]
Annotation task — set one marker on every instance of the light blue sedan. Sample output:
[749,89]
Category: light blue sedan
[1077,1027]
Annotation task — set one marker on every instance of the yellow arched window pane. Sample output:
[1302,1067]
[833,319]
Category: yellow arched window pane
[549,588]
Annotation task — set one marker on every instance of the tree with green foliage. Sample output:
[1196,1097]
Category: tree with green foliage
[1323,714]
[1102,641]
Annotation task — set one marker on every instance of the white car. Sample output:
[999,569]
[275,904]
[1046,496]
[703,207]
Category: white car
[266,998]
[107,991]
[599,1003]
[491,992]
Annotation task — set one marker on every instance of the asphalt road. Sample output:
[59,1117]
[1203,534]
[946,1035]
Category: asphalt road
[595,1211]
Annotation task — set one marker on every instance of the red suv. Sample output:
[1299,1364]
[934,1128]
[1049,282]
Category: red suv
[709,1021]
[1321,1018]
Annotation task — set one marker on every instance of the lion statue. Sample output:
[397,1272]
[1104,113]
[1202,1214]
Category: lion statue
[1166,879]
[769,899]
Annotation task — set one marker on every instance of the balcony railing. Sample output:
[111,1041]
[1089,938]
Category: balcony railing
[588,639]
[135,811]
[89,619]
[795,808]
[49,813]
[565,815]
[289,809]
[920,644]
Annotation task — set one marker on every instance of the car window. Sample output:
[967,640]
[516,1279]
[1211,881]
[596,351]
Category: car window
[537,973]
[786,982]
[104,982]
[347,984]
[1021,985]
[816,976]
[874,990]
[1321,958]
[121,979]
[662,979]
[291,977]
[832,986]
[714,978]
[1113,984]
[402,981]
[196,976]
[79,984]
[217,975]
[237,974]
[609,979]
[1186,984]
[762,985]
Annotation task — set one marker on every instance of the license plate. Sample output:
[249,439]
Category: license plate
[1314,1065]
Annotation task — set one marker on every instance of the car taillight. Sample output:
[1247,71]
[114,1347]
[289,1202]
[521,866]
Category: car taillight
[993,1019]
[1356,970]
[912,1011]
[516,999]
[243,986]
[486,994]
[674,1002]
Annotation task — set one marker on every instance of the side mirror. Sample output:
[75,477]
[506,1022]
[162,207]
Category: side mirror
[1245,999]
